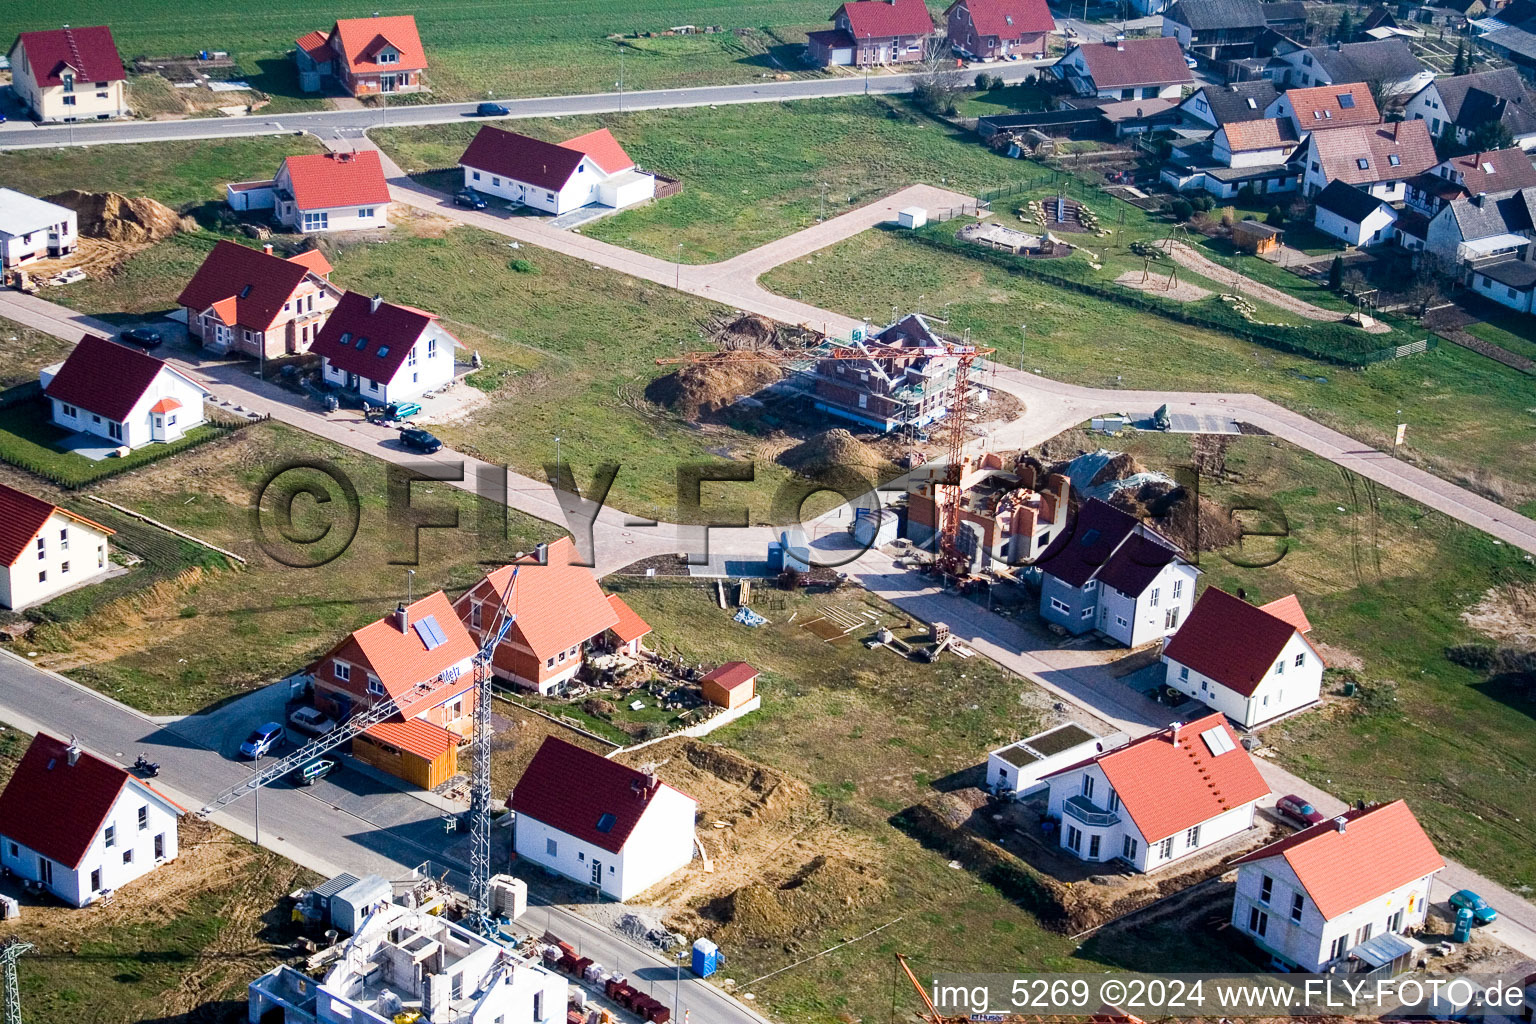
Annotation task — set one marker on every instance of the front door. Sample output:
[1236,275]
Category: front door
[352,381]
[597,873]
[387,83]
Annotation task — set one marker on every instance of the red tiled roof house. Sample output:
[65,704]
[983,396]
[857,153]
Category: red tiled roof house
[1158,798]
[599,822]
[383,352]
[45,550]
[554,177]
[365,56]
[1376,158]
[867,32]
[1339,895]
[996,29]
[81,826]
[389,658]
[128,397]
[319,192]
[253,302]
[1253,664]
[627,635]
[1126,69]
[69,74]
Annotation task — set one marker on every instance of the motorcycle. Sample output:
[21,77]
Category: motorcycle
[144,766]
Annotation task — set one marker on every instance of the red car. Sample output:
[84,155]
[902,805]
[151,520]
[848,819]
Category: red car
[1298,810]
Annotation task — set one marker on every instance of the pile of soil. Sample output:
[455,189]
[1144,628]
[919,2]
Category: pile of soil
[1170,510]
[765,913]
[697,390]
[1119,467]
[118,218]
[748,332]
[831,449]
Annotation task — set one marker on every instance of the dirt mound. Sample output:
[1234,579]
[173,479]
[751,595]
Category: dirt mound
[1168,509]
[1119,467]
[831,449]
[748,331]
[1506,614]
[822,888]
[118,218]
[699,389]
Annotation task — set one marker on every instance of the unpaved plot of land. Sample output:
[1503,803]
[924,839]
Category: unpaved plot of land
[1146,281]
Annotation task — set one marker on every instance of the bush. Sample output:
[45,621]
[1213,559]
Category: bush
[522,266]
[983,82]
[1205,203]
[1182,209]
[1275,217]
[997,83]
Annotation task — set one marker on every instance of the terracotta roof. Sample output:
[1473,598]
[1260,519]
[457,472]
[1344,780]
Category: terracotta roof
[22,516]
[1341,151]
[630,625]
[415,736]
[328,180]
[1270,133]
[247,286]
[583,794]
[370,342]
[558,605]
[403,659]
[521,158]
[317,44]
[1230,640]
[57,808]
[1333,106]
[1157,61]
[1495,170]
[1167,789]
[1289,609]
[1008,19]
[1381,848]
[604,150]
[731,675]
[883,18]
[314,260]
[89,50]
[106,378]
[362,39]
[166,405]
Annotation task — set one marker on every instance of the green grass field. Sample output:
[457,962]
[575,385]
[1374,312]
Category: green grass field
[24,351]
[29,441]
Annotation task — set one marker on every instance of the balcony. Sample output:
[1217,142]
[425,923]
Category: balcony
[1086,811]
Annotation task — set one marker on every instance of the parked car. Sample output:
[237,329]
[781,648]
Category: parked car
[263,741]
[1190,62]
[142,337]
[401,410]
[312,721]
[313,772]
[470,198]
[418,440]
[1466,899]
[492,110]
[1298,810]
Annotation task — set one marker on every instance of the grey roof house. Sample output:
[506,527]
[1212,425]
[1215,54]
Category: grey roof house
[1387,65]
[1466,102]
[1212,106]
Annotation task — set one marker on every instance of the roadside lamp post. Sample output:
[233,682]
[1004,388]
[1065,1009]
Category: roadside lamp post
[557,462]
[1023,336]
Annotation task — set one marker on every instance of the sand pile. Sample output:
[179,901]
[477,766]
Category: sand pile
[118,218]
[1506,614]
[823,889]
[698,389]
[1119,467]
[832,449]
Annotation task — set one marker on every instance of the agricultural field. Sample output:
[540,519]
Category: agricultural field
[523,48]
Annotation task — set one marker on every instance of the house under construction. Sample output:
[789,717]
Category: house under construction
[904,385]
[1008,513]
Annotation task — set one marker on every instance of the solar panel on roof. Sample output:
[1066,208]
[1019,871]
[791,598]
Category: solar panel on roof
[1217,741]
[432,635]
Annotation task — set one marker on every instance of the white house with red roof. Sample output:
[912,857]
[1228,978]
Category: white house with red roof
[80,826]
[1340,895]
[554,177]
[46,549]
[383,352]
[1126,69]
[559,611]
[599,822]
[122,394]
[999,29]
[253,302]
[1158,798]
[389,658]
[1251,663]
[69,74]
[365,56]
[868,32]
[319,192]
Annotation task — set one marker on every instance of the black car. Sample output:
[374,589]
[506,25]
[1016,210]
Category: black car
[419,440]
[492,110]
[470,198]
[142,337]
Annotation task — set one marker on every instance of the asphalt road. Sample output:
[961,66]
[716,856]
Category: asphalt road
[26,135]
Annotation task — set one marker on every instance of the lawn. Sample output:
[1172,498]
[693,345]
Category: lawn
[755,172]
[520,48]
[24,351]
[175,637]
[1469,419]
[30,442]
[1511,331]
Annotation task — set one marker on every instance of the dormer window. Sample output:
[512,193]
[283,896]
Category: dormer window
[245,292]
[1394,159]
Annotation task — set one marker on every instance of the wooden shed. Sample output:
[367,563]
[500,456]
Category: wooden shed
[1255,237]
[417,751]
[731,685]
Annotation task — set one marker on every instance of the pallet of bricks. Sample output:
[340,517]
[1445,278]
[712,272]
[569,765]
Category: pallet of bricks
[564,958]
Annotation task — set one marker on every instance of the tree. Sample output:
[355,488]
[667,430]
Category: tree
[1182,209]
[1491,134]
[1346,27]
[1459,65]
[936,86]
[1336,273]
[1275,217]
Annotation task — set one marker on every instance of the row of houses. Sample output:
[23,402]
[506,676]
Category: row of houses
[881,32]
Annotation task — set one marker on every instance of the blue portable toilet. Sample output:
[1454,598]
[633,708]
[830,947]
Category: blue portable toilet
[706,957]
[1463,932]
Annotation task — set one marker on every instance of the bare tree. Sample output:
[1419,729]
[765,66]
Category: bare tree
[937,85]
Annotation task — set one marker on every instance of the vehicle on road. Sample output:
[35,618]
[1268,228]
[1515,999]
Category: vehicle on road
[1298,810]
[312,721]
[145,767]
[418,440]
[401,410]
[143,337]
[1190,62]
[1466,899]
[491,110]
[262,741]
[316,770]
[469,198]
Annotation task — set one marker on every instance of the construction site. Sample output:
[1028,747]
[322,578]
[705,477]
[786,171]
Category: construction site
[112,227]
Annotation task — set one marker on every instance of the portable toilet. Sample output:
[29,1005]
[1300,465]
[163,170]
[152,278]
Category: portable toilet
[1463,932]
[352,905]
[706,957]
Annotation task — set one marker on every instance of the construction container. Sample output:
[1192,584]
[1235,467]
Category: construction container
[317,902]
[912,217]
[706,957]
[352,905]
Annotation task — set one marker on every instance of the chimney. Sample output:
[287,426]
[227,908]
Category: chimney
[267,248]
[374,303]
[541,553]
[1175,733]
[1340,824]
[73,751]
[402,618]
